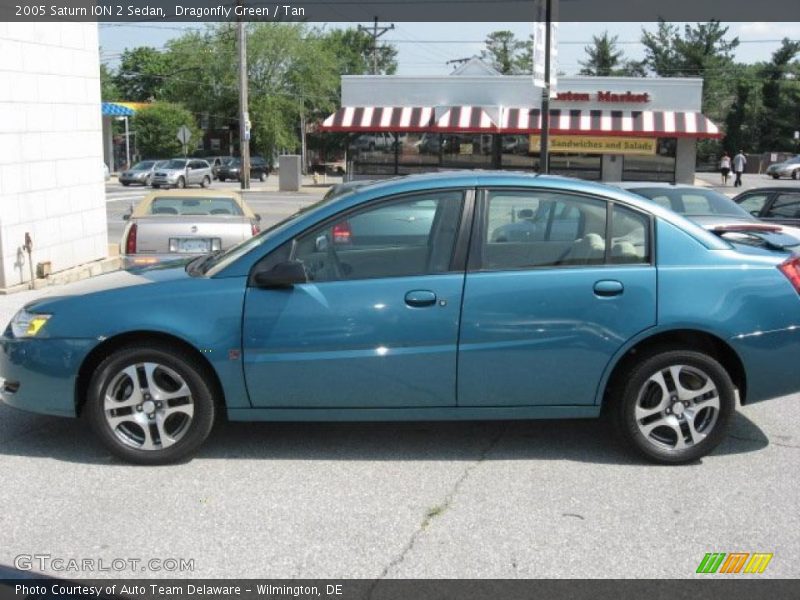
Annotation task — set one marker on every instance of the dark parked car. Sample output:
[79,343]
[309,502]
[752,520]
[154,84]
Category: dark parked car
[216,162]
[340,189]
[779,205]
[715,212]
[259,169]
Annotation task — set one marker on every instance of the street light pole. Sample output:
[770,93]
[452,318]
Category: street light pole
[544,152]
[244,115]
[127,145]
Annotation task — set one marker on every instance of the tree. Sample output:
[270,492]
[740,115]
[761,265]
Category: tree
[780,98]
[142,74]
[352,49]
[506,53]
[605,59]
[108,89]
[157,128]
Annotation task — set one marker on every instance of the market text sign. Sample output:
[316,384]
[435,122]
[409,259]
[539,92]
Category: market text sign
[596,145]
[623,97]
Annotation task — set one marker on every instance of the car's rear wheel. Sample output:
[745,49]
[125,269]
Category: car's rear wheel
[125,183]
[675,406]
[181,183]
[206,182]
[150,405]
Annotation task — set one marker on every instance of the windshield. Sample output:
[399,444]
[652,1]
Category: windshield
[175,164]
[217,262]
[693,202]
[234,162]
[145,165]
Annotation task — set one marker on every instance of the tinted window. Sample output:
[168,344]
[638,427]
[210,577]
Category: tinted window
[194,206]
[143,166]
[539,229]
[754,203]
[408,236]
[175,164]
[630,237]
[786,206]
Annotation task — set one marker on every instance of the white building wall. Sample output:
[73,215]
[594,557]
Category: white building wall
[51,148]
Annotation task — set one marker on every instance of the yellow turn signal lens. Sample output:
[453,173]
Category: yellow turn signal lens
[36,324]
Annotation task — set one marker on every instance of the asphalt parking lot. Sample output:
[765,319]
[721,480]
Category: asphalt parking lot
[489,500]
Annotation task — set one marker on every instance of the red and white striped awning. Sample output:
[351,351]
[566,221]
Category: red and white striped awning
[466,119]
[645,123]
[476,119]
[380,118]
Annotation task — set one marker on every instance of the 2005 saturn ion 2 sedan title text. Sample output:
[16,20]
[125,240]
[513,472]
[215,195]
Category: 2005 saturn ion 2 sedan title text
[447,296]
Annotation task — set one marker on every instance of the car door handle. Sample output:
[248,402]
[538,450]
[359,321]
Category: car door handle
[608,287]
[420,298]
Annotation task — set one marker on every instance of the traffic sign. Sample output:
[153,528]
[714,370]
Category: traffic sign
[184,135]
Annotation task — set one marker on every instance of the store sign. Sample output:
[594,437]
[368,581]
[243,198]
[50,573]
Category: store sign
[575,144]
[608,97]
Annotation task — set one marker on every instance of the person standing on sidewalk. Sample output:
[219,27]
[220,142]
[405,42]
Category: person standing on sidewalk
[739,162]
[725,167]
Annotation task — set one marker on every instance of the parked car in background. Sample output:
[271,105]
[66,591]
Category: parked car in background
[715,212]
[180,172]
[216,162]
[259,169]
[787,168]
[345,187]
[171,225]
[141,173]
[446,323]
[779,205]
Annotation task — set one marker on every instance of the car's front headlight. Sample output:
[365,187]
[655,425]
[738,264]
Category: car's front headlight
[27,324]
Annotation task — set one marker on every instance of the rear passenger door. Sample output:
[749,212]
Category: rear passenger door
[556,284]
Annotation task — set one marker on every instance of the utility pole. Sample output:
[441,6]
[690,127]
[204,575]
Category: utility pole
[244,115]
[375,33]
[544,152]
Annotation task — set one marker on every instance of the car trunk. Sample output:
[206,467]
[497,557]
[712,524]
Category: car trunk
[189,235]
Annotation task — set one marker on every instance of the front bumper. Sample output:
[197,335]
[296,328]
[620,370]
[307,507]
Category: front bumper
[168,180]
[139,180]
[39,374]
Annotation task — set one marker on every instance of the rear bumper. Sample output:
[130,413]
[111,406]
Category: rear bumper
[770,361]
[39,374]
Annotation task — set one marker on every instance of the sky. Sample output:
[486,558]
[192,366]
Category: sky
[425,48]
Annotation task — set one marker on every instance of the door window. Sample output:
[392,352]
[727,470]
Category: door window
[528,229]
[786,206]
[630,237]
[413,235]
[754,203]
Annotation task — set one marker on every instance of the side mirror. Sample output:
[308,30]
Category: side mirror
[281,276]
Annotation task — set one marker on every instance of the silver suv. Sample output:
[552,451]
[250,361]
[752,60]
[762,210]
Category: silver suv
[180,172]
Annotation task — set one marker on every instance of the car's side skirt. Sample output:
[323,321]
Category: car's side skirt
[449,413]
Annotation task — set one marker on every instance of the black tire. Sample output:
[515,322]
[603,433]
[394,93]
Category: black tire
[125,183]
[194,432]
[634,381]
[794,174]
[206,182]
[156,186]
[221,179]
[776,176]
[181,184]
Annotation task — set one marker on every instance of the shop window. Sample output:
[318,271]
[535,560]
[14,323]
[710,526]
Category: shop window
[467,151]
[419,153]
[373,153]
[653,167]
[582,166]
[515,153]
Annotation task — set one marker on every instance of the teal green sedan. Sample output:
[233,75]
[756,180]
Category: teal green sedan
[435,297]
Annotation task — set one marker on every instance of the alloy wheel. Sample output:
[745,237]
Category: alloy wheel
[677,407]
[148,406]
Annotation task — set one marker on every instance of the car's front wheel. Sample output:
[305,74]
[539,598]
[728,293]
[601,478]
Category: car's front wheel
[776,176]
[674,406]
[206,182]
[150,405]
[181,183]
[794,173]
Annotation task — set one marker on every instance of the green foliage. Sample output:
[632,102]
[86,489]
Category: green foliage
[507,54]
[780,93]
[108,89]
[157,128]
[142,73]
[605,59]
[352,49]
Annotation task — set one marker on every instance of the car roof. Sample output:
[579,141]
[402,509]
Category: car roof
[772,188]
[142,209]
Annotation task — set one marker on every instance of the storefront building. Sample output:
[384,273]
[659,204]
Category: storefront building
[601,128]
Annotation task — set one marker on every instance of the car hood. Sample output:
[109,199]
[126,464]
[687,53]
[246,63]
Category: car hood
[170,271]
